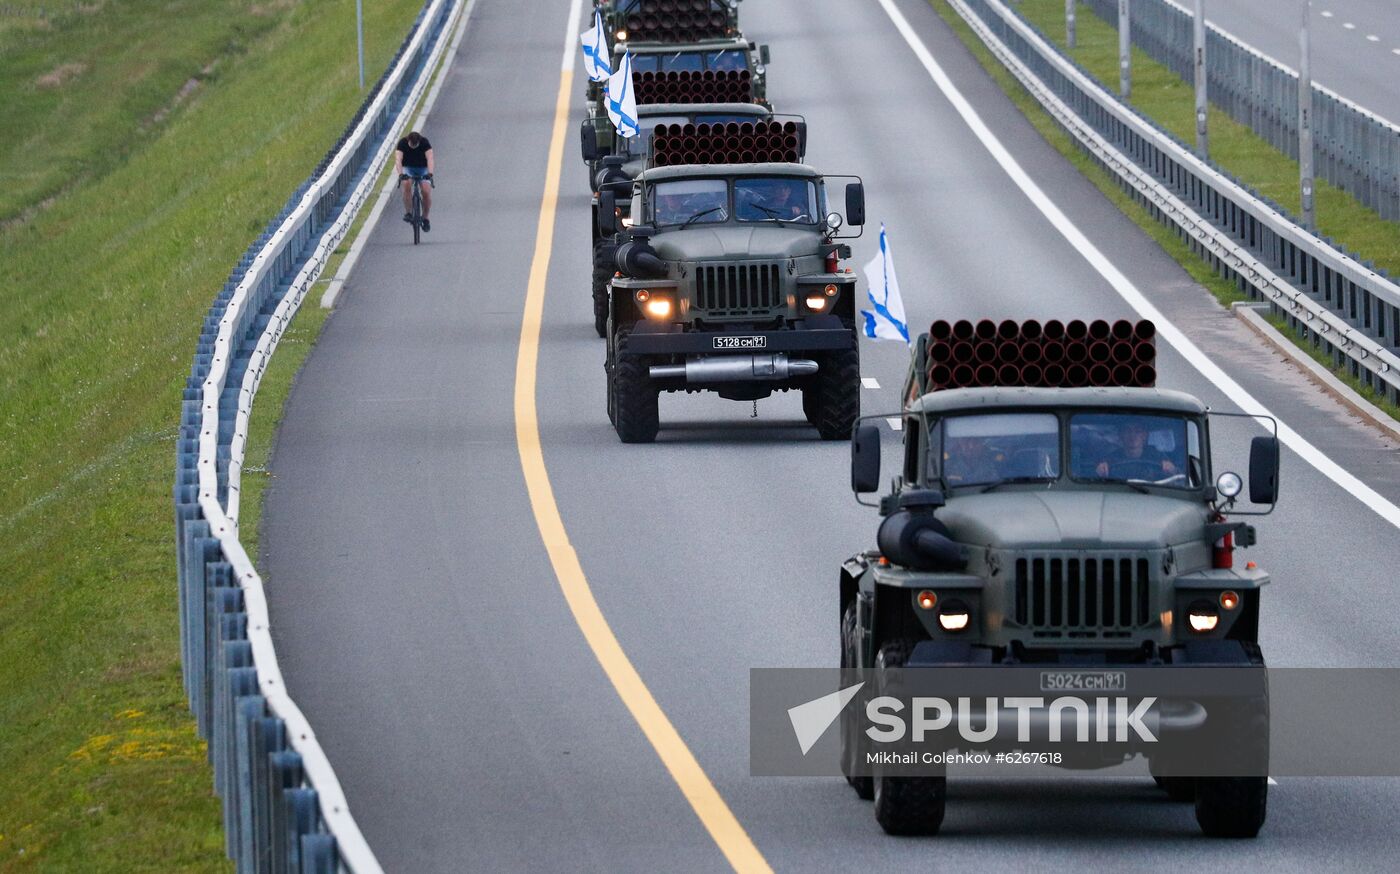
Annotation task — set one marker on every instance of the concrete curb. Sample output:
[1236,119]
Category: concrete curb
[1252,314]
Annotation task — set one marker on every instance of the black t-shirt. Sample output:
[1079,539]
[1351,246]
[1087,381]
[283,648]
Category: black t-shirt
[415,157]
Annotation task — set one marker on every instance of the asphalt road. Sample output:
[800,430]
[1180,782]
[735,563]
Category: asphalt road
[1355,43]
[422,628]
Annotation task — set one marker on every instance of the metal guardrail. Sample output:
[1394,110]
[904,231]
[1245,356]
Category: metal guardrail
[1357,150]
[1345,309]
[284,810]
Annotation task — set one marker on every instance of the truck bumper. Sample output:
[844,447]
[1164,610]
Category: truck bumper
[653,339]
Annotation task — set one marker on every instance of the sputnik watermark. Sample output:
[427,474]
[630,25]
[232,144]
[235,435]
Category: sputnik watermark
[1091,718]
[1065,719]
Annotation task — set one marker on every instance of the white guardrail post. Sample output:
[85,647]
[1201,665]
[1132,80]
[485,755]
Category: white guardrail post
[1345,308]
[284,809]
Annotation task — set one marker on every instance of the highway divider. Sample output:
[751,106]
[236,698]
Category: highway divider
[1344,308]
[284,810]
[1357,150]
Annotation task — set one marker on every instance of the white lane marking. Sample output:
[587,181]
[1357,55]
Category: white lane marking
[1395,51]
[896,424]
[1372,37]
[869,382]
[1326,14]
[1348,25]
[1273,782]
[1125,287]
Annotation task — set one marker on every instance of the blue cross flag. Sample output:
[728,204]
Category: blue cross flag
[622,100]
[886,321]
[595,51]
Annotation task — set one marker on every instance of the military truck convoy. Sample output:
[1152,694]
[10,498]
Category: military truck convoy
[1054,509]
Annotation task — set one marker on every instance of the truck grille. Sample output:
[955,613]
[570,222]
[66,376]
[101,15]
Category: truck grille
[738,289]
[1087,598]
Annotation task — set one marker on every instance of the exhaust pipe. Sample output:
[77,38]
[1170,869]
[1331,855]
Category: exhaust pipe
[736,368]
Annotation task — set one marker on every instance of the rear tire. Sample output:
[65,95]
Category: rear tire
[635,406]
[601,277]
[836,389]
[907,806]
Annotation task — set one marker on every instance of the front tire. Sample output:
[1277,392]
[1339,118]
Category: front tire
[1231,807]
[832,401]
[635,400]
[907,806]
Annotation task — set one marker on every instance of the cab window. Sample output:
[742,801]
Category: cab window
[776,199]
[984,449]
[1159,450]
[690,201]
[728,60]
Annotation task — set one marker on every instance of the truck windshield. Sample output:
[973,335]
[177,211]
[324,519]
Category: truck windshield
[1132,447]
[1002,447]
[690,201]
[775,199]
[726,60]
[690,62]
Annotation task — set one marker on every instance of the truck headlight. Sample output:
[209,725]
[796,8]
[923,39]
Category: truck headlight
[954,616]
[818,299]
[655,306]
[1202,617]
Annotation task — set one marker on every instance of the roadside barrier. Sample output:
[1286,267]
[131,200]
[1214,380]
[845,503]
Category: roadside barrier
[1347,310]
[1357,150]
[284,810]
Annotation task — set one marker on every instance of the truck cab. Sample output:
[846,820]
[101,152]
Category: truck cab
[729,280]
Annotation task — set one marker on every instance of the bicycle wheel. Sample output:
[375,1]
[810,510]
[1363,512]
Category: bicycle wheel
[417,211]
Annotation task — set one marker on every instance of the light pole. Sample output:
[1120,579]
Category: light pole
[1125,48]
[1069,23]
[360,37]
[1202,106]
[1305,119]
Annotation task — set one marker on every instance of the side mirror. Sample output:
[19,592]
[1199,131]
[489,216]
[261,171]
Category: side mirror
[865,459]
[855,204]
[764,56]
[1263,470]
[607,213]
[588,140]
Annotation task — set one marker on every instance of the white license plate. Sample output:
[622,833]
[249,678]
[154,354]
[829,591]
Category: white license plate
[740,342]
[1083,681]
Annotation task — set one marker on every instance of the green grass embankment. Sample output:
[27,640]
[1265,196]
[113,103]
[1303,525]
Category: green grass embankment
[145,145]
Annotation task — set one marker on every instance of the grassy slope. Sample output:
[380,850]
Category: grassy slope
[1149,79]
[103,290]
[1162,96]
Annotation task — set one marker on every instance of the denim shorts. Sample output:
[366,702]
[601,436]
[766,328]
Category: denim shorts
[416,172]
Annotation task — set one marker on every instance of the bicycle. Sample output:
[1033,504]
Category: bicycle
[416,214]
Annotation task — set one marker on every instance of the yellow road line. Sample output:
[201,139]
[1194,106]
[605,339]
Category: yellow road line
[716,816]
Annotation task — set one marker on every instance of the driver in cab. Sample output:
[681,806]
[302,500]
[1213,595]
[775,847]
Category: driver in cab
[1134,455]
[781,199]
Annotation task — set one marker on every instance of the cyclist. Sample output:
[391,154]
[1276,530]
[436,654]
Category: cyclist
[413,159]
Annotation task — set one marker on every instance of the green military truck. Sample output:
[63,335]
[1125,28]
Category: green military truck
[722,70]
[668,21]
[617,171]
[729,280]
[1054,511]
